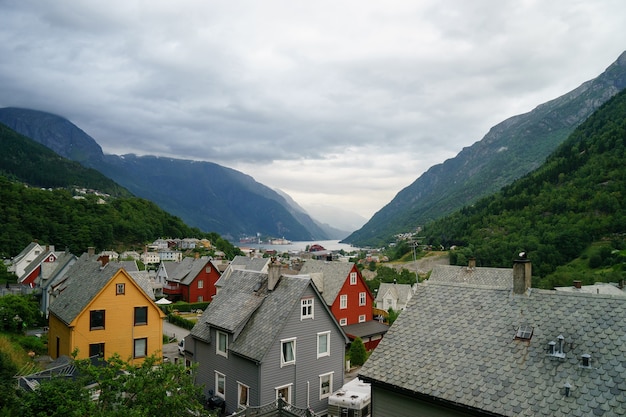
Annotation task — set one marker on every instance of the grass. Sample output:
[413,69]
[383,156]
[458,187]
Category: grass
[15,352]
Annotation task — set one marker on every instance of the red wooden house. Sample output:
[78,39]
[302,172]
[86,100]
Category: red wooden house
[192,281]
[348,297]
[34,269]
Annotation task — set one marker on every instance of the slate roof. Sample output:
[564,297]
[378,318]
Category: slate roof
[243,263]
[498,277]
[255,318]
[188,269]
[456,342]
[85,279]
[328,277]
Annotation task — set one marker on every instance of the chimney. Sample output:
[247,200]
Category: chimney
[273,274]
[472,263]
[578,284]
[104,260]
[91,251]
[522,274]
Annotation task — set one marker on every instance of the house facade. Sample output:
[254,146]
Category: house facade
[489,344]
[193,280]
[34,269]
[267,336]
[101,310]
[347,295]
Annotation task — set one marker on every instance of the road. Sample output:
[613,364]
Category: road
[170,350]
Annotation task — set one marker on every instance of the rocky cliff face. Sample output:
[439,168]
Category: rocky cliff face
[508,151]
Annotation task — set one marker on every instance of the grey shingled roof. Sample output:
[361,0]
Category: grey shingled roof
[243,263]
[496,277]
[188,269]
[85,279]
[456,342]
[366,329]
[332,275]
[256,319]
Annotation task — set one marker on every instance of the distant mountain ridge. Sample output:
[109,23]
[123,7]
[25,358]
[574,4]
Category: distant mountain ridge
[204,194]
[509,150]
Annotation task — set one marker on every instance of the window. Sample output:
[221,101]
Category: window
[96,349]
[307,308]
[352,278]
[524,332]
[120,289]
[343,322]
[200,284]
[141,316]
[326,385]
[362,298]
[323,344]
[362,318]
[140,348]
[208,269]
[221,348]
[343,301]
[220,385]
[200,298]
[287,352]
[242,394]
[96,319]
[284,392]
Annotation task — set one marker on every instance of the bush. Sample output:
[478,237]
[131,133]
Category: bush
[358,354]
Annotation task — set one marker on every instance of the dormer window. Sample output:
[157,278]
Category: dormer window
[352,278]
[524,332]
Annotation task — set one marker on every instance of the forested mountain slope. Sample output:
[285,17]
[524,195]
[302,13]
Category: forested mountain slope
[204,194]
[577,197]
[508,151]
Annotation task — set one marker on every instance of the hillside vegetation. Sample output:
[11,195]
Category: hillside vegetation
[556,212]
[38,166]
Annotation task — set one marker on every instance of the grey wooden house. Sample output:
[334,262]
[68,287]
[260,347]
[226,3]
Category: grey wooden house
[265,336]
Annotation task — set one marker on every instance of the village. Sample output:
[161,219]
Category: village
[279,331]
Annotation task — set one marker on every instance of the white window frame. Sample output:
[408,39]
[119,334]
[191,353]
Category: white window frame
[321,344]
[328,393]
[239,390]
[282,387]
[140,347]
[362,298]
[218,350]
[343,301]
[362,318]
[284,361]
[200,283]
[352,278]
[343,321]
[220,376]
[307,308]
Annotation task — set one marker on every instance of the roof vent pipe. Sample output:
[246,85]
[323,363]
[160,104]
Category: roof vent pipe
[568,389]
[586,360]
[561,340]
[551,346]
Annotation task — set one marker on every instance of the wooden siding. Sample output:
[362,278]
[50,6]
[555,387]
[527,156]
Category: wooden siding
[386,403]
[304,375]
[354,310]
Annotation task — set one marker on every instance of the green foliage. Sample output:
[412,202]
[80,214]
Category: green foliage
[18,312]
[389,275]
[180,321]
[8,369]
[554,213]
[358,353]
[152,389]
[38,166]
[393,315]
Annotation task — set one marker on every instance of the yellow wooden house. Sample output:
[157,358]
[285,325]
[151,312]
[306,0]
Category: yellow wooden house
[102,310]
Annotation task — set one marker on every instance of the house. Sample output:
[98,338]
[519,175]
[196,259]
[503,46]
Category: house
[150,258]
[193,280]
[394,296]
[51,274]
[20,262]
[101,310]
[348,297]
[597,288]
[170,255]
[501,348]
[33,269]
[243,263]
[267,336]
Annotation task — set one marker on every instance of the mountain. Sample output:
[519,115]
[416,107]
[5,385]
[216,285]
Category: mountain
[46,197]
[204,194]
[36,165]
[573,202]
[509,150]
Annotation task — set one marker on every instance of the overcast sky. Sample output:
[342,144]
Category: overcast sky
[337,103]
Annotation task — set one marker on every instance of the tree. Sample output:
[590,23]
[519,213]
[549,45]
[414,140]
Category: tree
[18,312]
[358,354]
[154,388]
